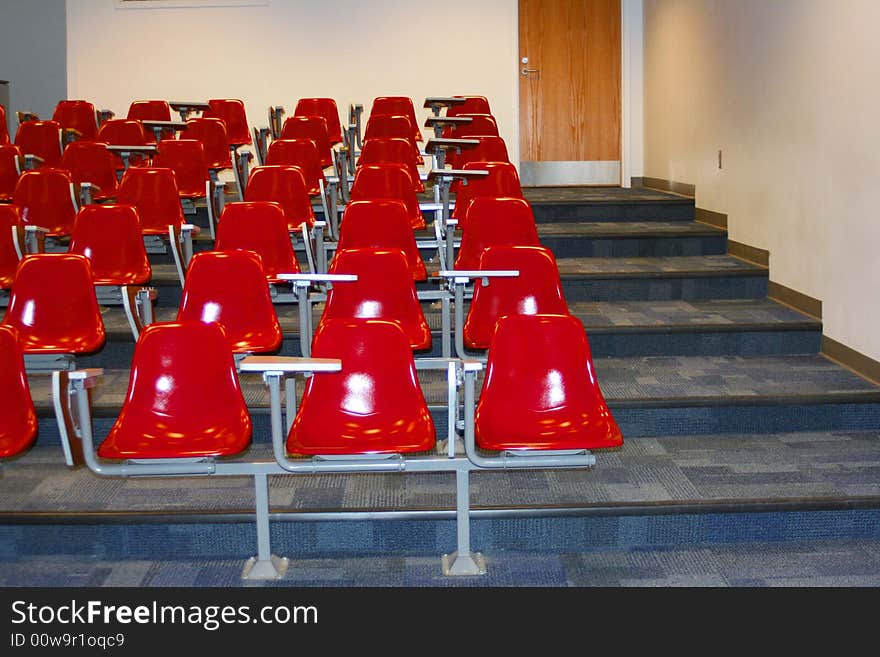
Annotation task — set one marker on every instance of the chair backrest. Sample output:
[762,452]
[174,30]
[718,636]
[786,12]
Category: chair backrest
[537,290]
[9,219]
[471,105]
[285,185]
[46,198]
[392,125]
[541,390]
[126,132]
[381,224]
[232,112]
[374,405]
[53,305]
[495,220]
[503,180]
[398,105]
[153,192]
[261,227]
[388,181]
[230,287]
[110,237]
[310,127]
[151,110]
[4,128]
[186,157]
[323,107]
[179,369]
[18,418]
[490,149]
[212,134]
[391,150]
[78,115]
[10,170]
[480,125]
[302,153]
[384,290]
[41,138]
[90,161]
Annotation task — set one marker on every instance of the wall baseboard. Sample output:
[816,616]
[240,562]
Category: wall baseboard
[710,217]
[852,359]
[751,253]
[794,299]
[664,185]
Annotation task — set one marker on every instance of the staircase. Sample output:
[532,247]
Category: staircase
[739,432]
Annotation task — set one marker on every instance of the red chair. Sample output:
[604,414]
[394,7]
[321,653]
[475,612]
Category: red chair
[471,105]
[4,128]
[126,132]
[53,305]
[392,150]
[229,287]
[41,138]
[540,390]
[110,237]
[384,290]
[302,153]
[325,108]
[11,244]
[481,125]
[232,112]
[154,194]
[490,149]
[10,170]
[261,227]
[392,126]
[78,115]
[375,405]
[91,162]
[151,110]
[212,134]
[285,185]
[503,180]
[398,105]
[178,370]
[381,224]
[47,198]
[537,290]
[18,418]
[388,181]
[495,221]
[310,127]
[186,157]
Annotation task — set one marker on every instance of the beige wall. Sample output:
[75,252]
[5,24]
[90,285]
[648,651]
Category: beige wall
[788,90]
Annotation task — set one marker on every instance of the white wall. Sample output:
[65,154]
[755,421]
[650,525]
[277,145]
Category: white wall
[350,50]
[33,56]
[789,91]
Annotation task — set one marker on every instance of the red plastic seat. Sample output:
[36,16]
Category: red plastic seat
[490,149]
[540,390]
[323,107]
[10,170]
[503,180]
[232,113]
[9,256]
[110,237]
[261,227]
[4,129]
[90,161]
[392,150]
[229,287]
[79,115]
[392,126]
[285,185]
[401,105]
[480,125]
[153,192]
[186,157]
[41,138]
[471,105]
[53,305]
[46,198]
[384,290]
[126,132]
[18,418]
[310,127]
[381,224]
[179,369]
[388,181]
[374,405]
[302,153]
[495,221]
[537,290]
[152,110]
[212,134]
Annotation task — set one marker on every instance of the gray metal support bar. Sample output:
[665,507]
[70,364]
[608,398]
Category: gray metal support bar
[463,561]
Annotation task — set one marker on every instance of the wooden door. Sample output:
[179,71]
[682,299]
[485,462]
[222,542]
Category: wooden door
[569,93]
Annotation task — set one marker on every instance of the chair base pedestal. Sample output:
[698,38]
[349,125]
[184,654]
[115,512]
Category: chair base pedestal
[271,568]
[470,564]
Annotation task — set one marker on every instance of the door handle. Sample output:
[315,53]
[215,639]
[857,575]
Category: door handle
[526,71]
